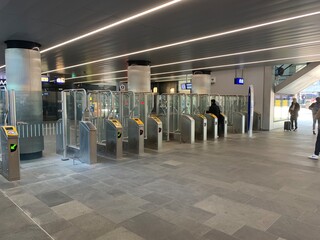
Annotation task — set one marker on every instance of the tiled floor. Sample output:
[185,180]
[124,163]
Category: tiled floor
[239,188]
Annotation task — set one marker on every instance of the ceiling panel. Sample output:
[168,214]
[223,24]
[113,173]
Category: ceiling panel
[52,22]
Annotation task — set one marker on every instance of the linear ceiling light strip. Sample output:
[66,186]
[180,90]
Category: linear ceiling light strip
[112,25]
[207,58]
[236,64]
[103,80]
[109,26]
[94,75]
[193,40]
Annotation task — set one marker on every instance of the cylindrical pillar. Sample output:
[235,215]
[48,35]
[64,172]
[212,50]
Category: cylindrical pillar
[23,71]
[201,82]
[139,76]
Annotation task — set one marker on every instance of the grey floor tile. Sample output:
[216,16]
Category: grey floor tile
[24,199]
[56,226]
[53,198]
[150,227]
[217,235]
[94,224]
[292,229]
[248,233]
[30,232]
[8,215]
[193,227]
[120,233]
[71,210]
[236,213]
[194,213]
[312,218]
[71,232]
[279,207]
[36,208]
[157,198]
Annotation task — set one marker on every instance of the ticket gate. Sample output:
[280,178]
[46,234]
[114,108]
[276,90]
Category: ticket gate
[154,133]
[200,127]
[223,127]
[114,138]
[88,142]
[187,125]
[212,126]
[10,153]
[239,121]
[135,136]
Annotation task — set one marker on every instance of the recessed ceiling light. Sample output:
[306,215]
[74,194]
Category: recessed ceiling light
[192,40]
[112,25]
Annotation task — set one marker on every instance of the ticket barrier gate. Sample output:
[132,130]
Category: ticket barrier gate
[114,138]
[135,136]
[154,133]
[187,125]
[88,142]
[10,153]
[223,128]
[212,126]
[200,127]
[239,121]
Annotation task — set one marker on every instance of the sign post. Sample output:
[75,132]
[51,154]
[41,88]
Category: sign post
[250,109]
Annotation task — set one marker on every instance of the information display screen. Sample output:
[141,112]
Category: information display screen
[239,81]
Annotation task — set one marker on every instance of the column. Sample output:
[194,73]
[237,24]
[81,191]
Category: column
[201,82]
[23,71]
[139,76]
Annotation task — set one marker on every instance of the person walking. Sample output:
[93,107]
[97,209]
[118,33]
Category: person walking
[314,107]
[315,155]
[293,110]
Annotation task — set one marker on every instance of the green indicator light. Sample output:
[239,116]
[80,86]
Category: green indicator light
[13,147]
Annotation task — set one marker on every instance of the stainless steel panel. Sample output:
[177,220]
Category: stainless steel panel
[154,134]
[224,131]
[114,138]
[135,136]
[187,124]
[200,127]
[88,142]
[239,121]
[212,126]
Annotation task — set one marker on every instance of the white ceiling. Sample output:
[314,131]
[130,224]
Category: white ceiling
[52,22]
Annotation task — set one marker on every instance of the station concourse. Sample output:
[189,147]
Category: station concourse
[105,129]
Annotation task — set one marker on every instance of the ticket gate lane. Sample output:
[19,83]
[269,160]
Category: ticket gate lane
[200,127]
[154,133]
[135,136]
[114,138]
[212,125]
[88,142]
[10,153]
[187,124]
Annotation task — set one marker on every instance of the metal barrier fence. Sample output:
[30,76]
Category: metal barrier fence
[39,129]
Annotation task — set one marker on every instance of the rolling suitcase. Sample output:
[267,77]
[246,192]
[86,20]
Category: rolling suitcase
[287,125]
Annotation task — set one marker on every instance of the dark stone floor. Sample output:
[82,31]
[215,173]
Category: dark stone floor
[260,188]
